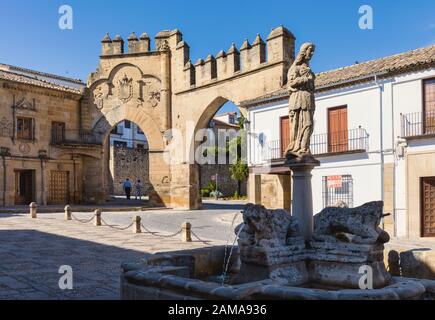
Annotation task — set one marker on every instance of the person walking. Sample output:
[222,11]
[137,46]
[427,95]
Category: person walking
[127,188]
[138,188]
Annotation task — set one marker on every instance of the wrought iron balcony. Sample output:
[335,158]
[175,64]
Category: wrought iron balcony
[418,124]
[351,141]
[74,137]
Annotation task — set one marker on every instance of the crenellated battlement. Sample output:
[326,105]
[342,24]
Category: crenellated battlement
[279,47]
[116,46]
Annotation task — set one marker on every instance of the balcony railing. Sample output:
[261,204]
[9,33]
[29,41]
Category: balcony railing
[418,124]
[59,137]
[355,140]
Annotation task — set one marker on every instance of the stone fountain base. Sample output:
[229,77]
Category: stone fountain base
[342,259]
[194,275]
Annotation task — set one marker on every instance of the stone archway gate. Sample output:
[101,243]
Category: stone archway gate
[162,89]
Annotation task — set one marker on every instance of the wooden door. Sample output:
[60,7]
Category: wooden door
[59,187]
[337,129]
[24,187]
[285,134]
[428,207]
[429,106]
[58,134]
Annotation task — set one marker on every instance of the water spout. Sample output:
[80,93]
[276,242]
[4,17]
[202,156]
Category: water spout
[227,261]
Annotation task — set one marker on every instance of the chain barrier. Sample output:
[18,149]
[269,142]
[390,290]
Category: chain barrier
[170,235]
[116,228]
[199,239]
[154,233]
[148,231]
[83,220]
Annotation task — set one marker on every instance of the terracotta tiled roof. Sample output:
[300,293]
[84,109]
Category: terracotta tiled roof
[25,79]
[225,124]
[388,66]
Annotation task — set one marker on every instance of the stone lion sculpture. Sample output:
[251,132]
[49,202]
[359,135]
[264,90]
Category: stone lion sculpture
[358,225]
[266,228]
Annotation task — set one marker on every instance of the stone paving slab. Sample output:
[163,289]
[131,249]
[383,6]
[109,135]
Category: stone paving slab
[32,250]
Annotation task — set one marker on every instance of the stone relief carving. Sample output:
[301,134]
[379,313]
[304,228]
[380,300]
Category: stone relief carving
[154,98]
[163,46]
[101,92]
[149,92]
[267,228]
[6,127]
[125,89]
[153,88]
[24,148]
[357,225]
[25,104]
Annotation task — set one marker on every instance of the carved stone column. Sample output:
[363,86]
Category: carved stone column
[302,206]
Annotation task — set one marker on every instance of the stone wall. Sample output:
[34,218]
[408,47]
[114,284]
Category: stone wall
[270,190]
[129,163]
[226,185]
[389,198]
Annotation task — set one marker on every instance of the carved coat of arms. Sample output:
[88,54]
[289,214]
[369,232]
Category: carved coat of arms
[99,96]
[125,90]
[154,98]
[150,92]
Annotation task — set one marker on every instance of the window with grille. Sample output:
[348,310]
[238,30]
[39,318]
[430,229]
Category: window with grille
[337,189]
[429,106]
[25,128]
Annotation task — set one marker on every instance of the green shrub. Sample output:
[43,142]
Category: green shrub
[211,186]
[205,192]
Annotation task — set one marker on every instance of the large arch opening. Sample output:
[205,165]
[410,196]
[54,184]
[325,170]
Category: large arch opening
[140,153]
[224,173]
[128,164]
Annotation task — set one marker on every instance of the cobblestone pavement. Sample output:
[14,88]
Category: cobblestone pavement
[33,250]
[213,222]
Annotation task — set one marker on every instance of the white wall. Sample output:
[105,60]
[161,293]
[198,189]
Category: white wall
[129,135]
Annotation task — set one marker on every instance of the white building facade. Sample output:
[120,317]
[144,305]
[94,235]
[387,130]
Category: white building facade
[374,135]
[128,134]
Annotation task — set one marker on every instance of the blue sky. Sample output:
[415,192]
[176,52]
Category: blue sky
[31,37]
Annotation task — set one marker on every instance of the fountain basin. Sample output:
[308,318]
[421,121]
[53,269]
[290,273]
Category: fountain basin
[196,274]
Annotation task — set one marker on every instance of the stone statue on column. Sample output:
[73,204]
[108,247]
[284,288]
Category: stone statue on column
[301,103]
[299,159]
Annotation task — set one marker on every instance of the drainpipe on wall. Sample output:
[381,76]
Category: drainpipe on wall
[4,180]
[4,152]
[381,127]
[43,158]
[165,71]
[74,178]
[394,146]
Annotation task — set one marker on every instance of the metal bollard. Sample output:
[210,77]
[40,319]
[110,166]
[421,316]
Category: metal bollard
[33,209]
[68,213]
[136,224]
[97,221]
[187,232]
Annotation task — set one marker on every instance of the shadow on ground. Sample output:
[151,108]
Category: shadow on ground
[415,263]
[223,206]
[30,262]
